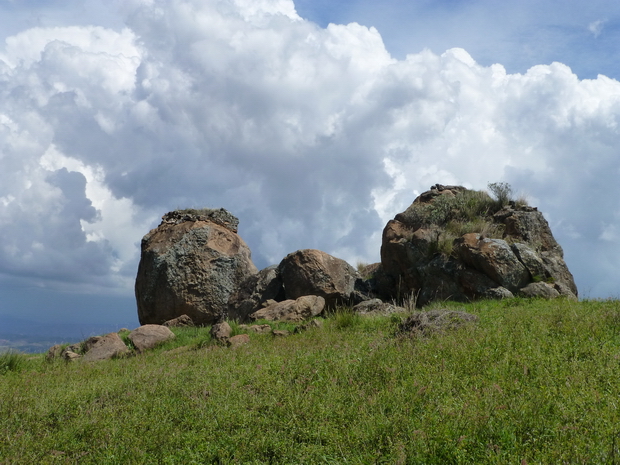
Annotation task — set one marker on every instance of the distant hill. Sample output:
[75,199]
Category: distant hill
[30,336]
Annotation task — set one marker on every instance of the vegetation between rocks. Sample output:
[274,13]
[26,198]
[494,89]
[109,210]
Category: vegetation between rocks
[469,211]
[532,381]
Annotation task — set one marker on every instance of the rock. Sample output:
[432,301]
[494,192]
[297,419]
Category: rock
[543,290]
[376,307]
[494,258]
[179,322]
[149,336]
[532,262]
[456,244]
[259,329]
[565,291]
[68,353]
[190,265]
[70,356]
[280,333]
[312,272]
[292,310]
[221,331]
[257,289]
[219,216]
[238,340]
[54,352]
[476,285]
[434,321]
[105,347]
[87,344]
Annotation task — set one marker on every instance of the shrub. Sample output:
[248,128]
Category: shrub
[466,206]
[502,192]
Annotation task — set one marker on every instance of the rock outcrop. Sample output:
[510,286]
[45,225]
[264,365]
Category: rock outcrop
[450,244]
[456,244]
[190,265]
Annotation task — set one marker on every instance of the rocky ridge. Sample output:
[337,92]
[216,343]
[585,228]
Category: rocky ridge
[450,244]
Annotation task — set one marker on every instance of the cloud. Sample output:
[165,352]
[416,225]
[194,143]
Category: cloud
[313,136]
[596,27]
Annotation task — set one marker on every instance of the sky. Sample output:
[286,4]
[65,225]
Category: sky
[314,122]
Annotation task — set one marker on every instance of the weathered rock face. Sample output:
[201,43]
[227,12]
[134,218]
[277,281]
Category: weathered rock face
[190,265]
[312,272]
[457,244]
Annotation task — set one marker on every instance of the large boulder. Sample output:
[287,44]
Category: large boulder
[190,265]
[312,272]
[457,244]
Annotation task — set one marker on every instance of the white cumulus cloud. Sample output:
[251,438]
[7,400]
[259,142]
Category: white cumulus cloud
[313,136]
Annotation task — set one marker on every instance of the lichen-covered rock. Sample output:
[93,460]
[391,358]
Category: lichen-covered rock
[312,272]
[191,265]
[456,244]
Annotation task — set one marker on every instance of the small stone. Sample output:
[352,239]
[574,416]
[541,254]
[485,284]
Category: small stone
[150,336]
[70,356]
[238,340]
[221,331]
[54,352]
[260,329]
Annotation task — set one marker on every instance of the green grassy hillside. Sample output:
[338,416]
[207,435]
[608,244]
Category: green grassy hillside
[533,382]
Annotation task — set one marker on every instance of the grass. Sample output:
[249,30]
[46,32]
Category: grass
[533,382]
[11,361]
